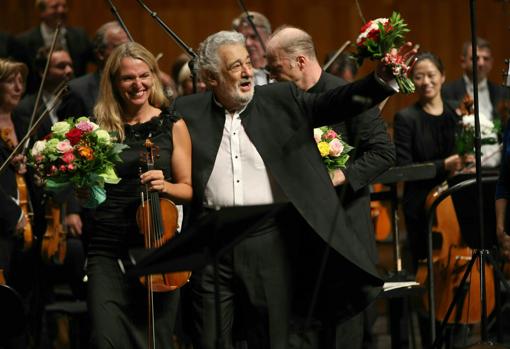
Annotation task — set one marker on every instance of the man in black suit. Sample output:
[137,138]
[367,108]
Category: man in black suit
[11,48]
[74,40]
[292,57]
[255,145]
[82,95]
[490,95]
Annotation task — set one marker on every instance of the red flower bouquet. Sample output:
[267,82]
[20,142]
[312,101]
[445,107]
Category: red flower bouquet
[380,39]
[80,154]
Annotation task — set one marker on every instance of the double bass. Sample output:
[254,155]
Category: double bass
[450,261]
[157,219]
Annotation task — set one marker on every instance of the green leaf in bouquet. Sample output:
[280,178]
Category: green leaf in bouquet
[109,176]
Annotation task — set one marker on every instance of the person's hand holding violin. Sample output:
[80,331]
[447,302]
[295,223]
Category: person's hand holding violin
[74,224]
[20,164]
[453,163]
[155,180]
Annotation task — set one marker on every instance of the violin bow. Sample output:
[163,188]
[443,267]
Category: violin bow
[62,87]
[41,85]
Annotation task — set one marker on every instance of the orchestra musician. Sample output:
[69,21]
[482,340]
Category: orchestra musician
[425,132]
[132,104]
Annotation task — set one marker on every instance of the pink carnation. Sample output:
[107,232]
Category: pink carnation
[84,126]
[68,157]
[330,134]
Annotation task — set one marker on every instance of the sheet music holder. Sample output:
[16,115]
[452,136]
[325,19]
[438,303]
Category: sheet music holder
[413,172]
[209,237]
[390,178]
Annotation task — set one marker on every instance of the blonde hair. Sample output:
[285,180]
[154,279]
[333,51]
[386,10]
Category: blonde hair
[9,67]
[108,109]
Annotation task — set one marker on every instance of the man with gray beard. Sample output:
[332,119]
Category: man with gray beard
[254,146]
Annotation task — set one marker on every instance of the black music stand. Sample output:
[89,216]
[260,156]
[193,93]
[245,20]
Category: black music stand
[205,242]
[390,178]
[398,298]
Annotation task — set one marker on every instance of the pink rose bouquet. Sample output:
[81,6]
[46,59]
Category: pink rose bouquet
[77,153]
[334,151]
[380,39]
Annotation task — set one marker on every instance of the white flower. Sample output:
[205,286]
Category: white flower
[38,148]
[486,125]
[317,134]
[374,25]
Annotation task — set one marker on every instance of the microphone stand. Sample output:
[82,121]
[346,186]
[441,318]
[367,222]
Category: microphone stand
[169,31]
[482,253]
[188,50]
[119,19]
[252,25]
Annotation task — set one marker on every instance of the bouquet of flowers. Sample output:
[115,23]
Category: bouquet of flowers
[80,154]
[380,39]
[332,148]
[465,139]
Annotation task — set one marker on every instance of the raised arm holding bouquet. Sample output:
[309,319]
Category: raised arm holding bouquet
[383,39]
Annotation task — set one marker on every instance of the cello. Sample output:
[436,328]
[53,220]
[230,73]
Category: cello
[157,219]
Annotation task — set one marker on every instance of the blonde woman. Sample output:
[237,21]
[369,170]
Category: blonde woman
[132,104]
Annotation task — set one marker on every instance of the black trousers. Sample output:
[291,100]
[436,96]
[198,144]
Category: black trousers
[256,273]
[118,308]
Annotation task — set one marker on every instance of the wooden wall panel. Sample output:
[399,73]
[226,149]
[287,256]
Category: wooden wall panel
[438,25]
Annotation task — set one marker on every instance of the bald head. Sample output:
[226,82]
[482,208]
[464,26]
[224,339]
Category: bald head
[293,41]
[291,57]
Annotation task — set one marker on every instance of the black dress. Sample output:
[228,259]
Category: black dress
[118,304]
[421,137]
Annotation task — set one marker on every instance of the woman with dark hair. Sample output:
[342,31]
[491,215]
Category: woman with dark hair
[132,105]
[425,132]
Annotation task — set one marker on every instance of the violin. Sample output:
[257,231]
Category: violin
[157,219]
[54,242]
[450,261]
[24,200]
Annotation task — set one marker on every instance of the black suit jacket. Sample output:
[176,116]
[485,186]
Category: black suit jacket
[81,98]
[279,121]
[10,47]
[456,90]
[78,43]
[373,153]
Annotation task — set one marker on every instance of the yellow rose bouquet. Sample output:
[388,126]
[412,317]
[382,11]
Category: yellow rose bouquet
[77,153]
[334,151]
